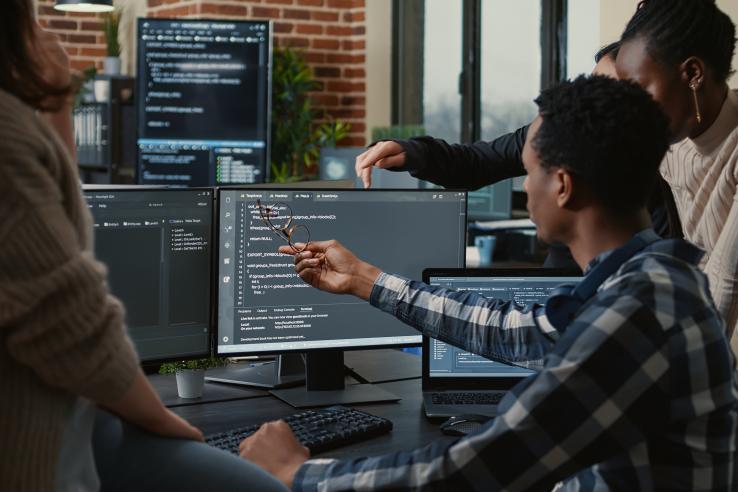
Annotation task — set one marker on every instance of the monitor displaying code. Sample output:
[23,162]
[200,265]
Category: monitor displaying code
[203,101]
[264,306]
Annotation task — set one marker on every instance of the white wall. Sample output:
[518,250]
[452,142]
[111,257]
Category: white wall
[130,11]
[614,15]
[378,64]
[730,7]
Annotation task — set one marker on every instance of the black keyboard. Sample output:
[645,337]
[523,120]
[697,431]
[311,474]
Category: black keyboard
[469,398]
[318,430]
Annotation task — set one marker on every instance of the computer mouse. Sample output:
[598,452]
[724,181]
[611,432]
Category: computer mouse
[461,425]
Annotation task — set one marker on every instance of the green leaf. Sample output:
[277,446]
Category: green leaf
[172,367]
[296,139]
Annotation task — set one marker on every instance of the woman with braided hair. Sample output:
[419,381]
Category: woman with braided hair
[680,51]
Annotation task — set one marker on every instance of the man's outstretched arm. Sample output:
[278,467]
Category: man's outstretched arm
[500,330]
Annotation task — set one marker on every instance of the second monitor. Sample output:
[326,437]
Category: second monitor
[263,305]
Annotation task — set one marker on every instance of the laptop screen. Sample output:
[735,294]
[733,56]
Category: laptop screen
[446,361]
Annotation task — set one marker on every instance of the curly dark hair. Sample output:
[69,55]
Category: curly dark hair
[609,133]
[677,29]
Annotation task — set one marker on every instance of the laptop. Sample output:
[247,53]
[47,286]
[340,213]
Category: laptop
[457,382]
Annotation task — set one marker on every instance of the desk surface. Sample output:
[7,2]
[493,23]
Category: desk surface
[166,386]
[411,428]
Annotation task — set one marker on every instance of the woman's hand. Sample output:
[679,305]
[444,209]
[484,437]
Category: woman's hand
[141,406]
[169,424]
[328,266]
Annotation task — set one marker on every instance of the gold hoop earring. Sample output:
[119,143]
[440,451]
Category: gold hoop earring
[698,115]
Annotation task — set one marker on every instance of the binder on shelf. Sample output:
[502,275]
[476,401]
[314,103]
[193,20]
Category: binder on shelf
[104,132]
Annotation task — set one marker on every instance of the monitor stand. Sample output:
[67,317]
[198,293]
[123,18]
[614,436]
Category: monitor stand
[286,371]
[326,385]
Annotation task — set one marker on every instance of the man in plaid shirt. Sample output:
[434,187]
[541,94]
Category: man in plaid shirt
[636,392]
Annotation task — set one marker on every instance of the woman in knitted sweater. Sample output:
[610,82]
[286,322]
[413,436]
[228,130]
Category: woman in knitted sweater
[63,346]
[681,52]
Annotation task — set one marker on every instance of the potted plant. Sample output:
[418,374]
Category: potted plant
[296,138]
[402,132]
[111,65]
[83,82]
[190,374]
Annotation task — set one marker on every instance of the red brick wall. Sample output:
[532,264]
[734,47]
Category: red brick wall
[80,33]
[331,33]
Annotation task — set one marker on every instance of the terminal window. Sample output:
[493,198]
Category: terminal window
[203,102]
[449,361]
[156,246]
[265,306]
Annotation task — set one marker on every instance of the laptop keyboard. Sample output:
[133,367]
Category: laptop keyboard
[469,398]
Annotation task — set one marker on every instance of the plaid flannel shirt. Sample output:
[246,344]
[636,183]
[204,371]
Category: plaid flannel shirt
[638,393]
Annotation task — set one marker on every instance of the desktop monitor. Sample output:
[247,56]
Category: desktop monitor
[493,202]
[263,305]
[156,244]
[203,101]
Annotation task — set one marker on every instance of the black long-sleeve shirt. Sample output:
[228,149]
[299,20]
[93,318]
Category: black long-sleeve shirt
[473,166]
[468,166]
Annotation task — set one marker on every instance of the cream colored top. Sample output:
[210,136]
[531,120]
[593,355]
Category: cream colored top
[703,174]
[61,333]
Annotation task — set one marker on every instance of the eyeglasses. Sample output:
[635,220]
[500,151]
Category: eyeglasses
[278,218]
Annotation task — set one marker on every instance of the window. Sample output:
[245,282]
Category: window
[583,36]
[511,65]
[470,69]
[442,66]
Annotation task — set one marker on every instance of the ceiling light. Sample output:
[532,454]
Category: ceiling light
[84,5]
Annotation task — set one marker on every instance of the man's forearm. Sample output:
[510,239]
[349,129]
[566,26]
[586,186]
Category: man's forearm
[499,330]
[363,280]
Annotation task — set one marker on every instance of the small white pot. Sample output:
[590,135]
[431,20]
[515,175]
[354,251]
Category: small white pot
[190,383]
[111,65]
[101,88]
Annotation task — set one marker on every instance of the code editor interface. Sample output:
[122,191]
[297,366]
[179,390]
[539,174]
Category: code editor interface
[449,361]
[203,109]
[156,245]
[265,306]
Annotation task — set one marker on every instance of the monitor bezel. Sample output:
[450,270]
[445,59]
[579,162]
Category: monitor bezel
[482,382]
[211,260]
[216,271]
[267,171]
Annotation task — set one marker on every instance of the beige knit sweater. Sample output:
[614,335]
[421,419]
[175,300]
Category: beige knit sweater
[703,174]
[61,333]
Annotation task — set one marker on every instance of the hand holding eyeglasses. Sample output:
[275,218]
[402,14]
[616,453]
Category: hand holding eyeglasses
[329,266]
[279,219]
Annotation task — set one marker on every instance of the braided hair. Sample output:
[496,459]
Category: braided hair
[674,30]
